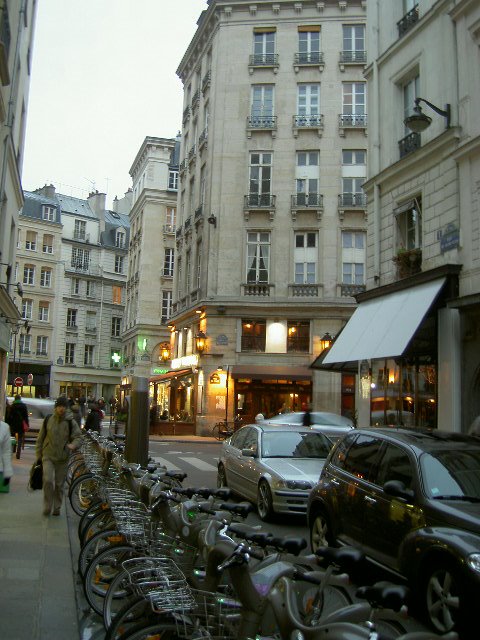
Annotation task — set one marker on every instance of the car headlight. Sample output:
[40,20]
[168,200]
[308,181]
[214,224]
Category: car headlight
[473,562]
[294,485]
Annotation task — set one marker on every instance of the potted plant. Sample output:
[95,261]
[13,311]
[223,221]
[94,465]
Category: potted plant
[408,261]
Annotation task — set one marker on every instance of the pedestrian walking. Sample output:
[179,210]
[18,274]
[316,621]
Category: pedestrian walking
[6,469]
[82,401]
[307,417]
[59,435]
[94,418]
[18,421]
[75,409]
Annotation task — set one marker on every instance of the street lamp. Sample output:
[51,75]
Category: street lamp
[326,341]
[418,121]
[200,341]
[164,351]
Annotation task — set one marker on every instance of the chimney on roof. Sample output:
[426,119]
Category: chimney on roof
[48,190]
[97,202]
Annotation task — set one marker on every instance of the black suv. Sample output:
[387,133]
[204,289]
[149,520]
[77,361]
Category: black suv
[411,500]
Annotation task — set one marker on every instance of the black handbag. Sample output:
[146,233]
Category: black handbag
[35,481]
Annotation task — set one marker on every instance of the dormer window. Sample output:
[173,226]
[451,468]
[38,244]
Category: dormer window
[120,239]
[48,213]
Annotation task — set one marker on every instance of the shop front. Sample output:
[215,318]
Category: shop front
[401,342]
[270,390]
[172,402]
[35,378]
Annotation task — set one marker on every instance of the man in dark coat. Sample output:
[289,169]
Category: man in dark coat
[94,418]
[17,414]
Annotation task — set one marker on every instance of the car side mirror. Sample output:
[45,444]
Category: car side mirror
[397,489]
[249,453]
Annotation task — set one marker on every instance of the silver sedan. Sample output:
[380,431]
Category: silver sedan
[273,466]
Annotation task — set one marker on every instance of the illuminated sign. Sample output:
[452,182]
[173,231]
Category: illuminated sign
[214,378]
[157,371]
[186,361]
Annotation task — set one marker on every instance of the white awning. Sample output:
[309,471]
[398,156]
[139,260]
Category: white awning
[383,327]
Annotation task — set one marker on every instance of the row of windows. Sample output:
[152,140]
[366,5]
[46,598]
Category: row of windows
[43,310]
[91,322]
[88,355]
[31,242]
[25,344]
[81,260]
[29,272]
[305,262]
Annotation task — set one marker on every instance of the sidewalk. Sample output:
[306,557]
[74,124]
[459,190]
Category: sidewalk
[42,596]
[38,597]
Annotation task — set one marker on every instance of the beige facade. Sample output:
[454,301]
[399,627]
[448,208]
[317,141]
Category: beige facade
[423,215]
[270,244]
[151,258]
[17,20]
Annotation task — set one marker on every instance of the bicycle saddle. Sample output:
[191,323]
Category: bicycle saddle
[385,594]
[346,558]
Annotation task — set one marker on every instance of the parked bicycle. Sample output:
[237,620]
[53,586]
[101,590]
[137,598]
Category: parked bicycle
[224,429]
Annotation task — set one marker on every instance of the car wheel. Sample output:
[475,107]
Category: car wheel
[264,501]
[320,532]
[221,477]
[443,597]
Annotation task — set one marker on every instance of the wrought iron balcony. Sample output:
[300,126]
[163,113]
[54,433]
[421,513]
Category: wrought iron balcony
[308,58]
[198,212]
[168,228]
[188,223]
[263,60]
[312,200]
[353,57]
[202,140]
[358,121]
[308,121]
[410,143]
[195,100]
[178,232]
[408,21]
[253,343]
[262,122]
[358,200]
[206,80]
[186,114]
[259,201]
[182,166]
[192,153]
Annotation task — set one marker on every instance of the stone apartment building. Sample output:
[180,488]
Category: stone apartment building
[271,220]
[415,337]
[149,289]
[17,23]
[73,265]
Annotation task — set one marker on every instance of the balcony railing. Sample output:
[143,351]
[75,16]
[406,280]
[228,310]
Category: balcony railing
[353,57]
[195,100]
[410,143]
[168,228]
[202,140]
[308,58]
[188,223]
[257,290]
[192,153]
[313,200]
[358,200]
[352,289]
[206,80]
[186,114]
[178,232]
[308,121]
[182,166]
[304,290]
[262,122]
[346,121]
[298,344]
[198,212]
[408,21]
[259,201]
[264,60]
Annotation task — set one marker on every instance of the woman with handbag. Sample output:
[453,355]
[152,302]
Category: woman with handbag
[59,435]
[18,421]
[6,469]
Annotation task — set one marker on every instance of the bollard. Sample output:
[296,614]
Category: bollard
[136,447]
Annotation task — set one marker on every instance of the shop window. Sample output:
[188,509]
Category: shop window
[254,334]
[298,336]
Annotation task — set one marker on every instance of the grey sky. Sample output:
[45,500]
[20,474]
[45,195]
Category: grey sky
[103,78]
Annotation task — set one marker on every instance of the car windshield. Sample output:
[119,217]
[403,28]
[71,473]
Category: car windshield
[295,444]
[453,474]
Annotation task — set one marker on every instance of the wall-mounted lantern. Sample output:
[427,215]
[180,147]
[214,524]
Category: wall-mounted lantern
[164,351]
[326,341]
[200,341]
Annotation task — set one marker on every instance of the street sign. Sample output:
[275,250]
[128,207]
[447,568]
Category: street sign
[18,382]
[30,378]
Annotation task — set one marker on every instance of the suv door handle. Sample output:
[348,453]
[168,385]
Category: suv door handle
[370,500]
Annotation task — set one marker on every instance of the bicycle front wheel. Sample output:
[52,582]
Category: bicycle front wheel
[100,573]
[83,492]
